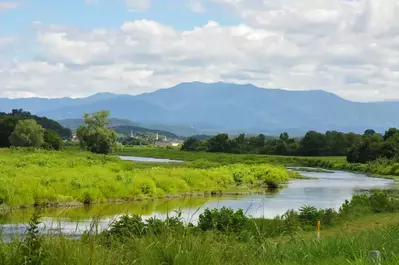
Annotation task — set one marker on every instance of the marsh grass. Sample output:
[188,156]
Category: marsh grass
[38,177]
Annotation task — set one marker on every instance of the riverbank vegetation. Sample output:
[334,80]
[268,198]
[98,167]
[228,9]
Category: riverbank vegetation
[35,177]
[382,166]
[331,143]
[220,237]
[357,148]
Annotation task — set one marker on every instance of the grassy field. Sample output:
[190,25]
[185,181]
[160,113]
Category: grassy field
[48,177]
[222,158]
[380,167]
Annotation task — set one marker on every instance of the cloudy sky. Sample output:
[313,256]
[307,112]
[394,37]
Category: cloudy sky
[56,48]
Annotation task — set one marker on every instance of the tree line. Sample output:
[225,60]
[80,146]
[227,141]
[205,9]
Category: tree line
[356,147]
[21,128]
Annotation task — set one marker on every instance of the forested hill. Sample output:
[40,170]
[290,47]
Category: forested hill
[8,122]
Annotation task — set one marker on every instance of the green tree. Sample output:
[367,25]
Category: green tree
[284,137]
[52,140]
[313,144]
[368,150]
[337,144]
[95,136]
[391,132]
[7,126]
[191,144]
[219,143]
[369,132]
[27,133]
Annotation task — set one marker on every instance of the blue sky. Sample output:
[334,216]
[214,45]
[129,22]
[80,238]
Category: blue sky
[55,48]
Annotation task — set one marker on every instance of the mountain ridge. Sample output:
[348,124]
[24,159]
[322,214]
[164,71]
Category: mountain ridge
[226,107]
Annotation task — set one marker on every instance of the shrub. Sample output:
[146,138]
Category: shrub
[225,220]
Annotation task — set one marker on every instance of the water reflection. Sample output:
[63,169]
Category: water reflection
[324,190]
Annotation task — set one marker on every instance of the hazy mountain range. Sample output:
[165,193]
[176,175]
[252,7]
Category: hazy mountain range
[192,108]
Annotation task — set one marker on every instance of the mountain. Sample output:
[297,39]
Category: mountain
[121,126]
[127,130]
[204,108]
[73,124]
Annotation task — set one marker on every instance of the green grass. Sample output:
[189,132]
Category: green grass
[50,177]
[316,170]
[382,167]
[346,244]
[212,248]
[223,158]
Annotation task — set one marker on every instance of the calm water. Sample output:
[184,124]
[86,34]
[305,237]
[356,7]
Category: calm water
[325,190]
[148,159]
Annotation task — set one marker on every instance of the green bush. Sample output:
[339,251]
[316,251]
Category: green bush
[224,220]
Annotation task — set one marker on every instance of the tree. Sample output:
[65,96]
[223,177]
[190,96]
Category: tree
[27,133]
[7,126]
[368,150]
[219,143]
[191,144]
[391,132]
[95,136]
[337,144]
[313,144]
[52,140]
[369,132]
[284,137]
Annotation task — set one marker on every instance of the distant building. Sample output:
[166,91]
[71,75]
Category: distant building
[74,138]
[172,143]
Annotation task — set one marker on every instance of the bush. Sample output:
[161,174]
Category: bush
[225,220]
[52,141]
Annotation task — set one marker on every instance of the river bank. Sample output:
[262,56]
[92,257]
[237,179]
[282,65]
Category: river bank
[50,178]
[232,239]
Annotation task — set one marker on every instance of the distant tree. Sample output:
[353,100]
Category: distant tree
[388,134]
[337,143]
[95,136]
[284,137]
[368,150]
[390,147]
[52,140]
[313,144]
[219,143]
[281,147]
[369,132]
[191,144]
[27,133]
[7,126]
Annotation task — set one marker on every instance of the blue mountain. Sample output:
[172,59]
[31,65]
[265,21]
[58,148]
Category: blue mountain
[225,107]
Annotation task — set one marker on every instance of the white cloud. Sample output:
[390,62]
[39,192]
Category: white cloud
[350,48]
[4,6]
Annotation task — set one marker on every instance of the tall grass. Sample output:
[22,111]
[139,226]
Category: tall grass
[212,248]
[49,177]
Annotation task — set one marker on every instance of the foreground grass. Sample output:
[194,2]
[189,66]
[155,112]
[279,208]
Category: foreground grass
[211,248]
[46,177]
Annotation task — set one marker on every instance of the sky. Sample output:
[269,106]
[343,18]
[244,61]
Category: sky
[75,48]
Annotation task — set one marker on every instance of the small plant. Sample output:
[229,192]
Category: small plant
[32,249]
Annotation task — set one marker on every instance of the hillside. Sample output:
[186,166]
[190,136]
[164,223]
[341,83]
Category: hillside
[73,124]
[211,108]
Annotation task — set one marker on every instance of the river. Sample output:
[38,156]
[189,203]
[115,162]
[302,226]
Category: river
[323,190]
